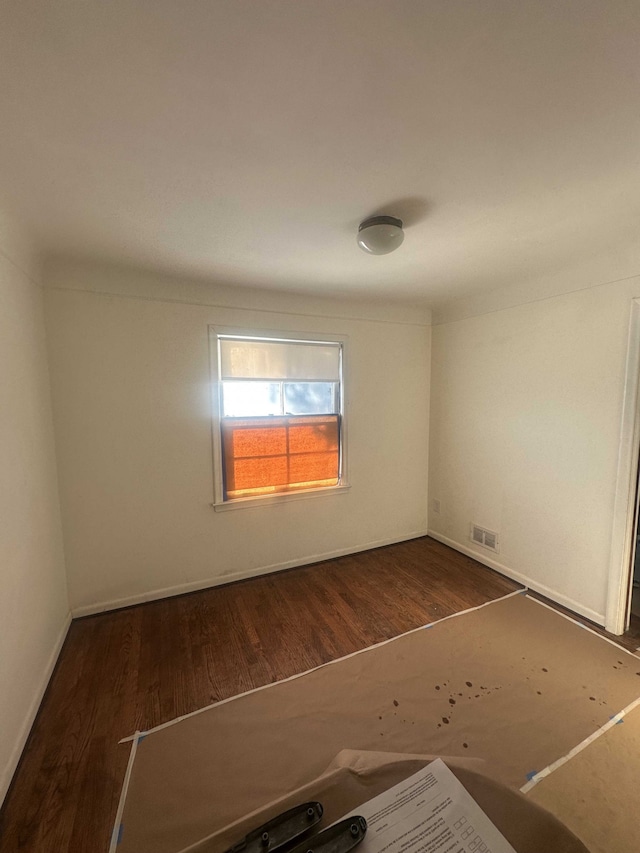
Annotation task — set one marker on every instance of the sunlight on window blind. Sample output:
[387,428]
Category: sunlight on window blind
[274,360]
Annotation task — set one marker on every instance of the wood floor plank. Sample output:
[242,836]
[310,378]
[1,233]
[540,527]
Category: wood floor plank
[138,667]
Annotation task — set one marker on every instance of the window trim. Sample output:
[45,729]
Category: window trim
[219,504]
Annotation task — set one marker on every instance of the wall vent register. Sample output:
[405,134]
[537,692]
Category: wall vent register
[486,538]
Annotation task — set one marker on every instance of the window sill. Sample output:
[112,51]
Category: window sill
[282,497]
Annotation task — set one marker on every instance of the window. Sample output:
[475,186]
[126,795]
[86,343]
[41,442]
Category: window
[279,415]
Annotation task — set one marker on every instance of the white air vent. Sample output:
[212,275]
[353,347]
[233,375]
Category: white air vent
[486,538]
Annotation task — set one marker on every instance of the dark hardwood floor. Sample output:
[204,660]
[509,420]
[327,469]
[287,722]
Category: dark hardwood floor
[631,639]
[141,666]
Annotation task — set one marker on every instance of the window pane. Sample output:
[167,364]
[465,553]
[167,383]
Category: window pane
[309,398]
[243,399]
[314,467]
[270,455]
[312,435]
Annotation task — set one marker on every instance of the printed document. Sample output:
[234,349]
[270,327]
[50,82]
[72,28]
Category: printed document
[430,812]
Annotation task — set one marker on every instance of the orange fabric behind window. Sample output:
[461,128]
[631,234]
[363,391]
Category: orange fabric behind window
[276,454]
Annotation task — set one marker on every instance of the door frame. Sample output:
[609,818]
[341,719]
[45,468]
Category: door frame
[624,511]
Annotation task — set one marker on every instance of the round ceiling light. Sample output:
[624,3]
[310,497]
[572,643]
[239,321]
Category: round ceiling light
[380,235]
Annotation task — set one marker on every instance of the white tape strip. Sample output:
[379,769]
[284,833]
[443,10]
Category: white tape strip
[117,826]
[313,669]
[585,743]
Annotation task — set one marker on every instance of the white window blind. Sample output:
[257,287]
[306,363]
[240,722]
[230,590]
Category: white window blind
[277,360]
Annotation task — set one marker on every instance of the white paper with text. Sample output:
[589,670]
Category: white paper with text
[430,812]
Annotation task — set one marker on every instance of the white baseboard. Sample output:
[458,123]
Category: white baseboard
[194,586]
[10,769]
[554,595]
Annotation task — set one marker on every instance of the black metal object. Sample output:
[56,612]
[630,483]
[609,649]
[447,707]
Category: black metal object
[339,838]
[281,830]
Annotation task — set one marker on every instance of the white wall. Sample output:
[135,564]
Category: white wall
[129,360]
[34,611]
[525,429]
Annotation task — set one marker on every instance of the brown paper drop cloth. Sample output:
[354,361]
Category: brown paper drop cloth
[513,683]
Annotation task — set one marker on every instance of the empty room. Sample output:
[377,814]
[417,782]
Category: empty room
[320,426]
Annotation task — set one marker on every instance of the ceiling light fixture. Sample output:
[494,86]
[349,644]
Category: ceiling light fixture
[380,235]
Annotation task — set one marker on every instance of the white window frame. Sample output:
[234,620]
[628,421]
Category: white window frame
[219,503]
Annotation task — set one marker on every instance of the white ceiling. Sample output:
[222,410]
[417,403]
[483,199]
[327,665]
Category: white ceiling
[244,140]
